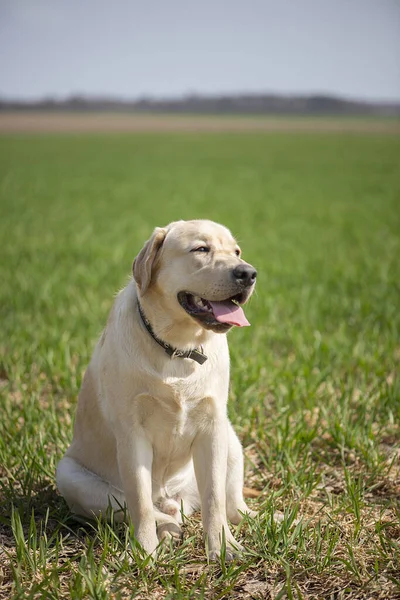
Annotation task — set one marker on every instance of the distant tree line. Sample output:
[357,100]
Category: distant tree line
[253,104]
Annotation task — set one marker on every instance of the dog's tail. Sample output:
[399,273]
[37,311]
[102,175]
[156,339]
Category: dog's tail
[250,492]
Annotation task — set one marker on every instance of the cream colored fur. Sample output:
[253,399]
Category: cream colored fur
[152,432]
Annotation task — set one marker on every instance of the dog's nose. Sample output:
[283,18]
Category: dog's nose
[245,274]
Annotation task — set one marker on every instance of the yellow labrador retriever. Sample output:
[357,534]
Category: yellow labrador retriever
[151,428]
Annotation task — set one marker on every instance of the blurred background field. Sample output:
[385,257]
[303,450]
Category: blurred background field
[318,215]
[315,388]
[94,121]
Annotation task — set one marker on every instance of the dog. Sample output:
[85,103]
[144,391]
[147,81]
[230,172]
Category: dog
[151,431]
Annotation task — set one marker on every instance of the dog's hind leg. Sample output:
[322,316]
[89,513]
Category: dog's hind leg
[90,496]
[86,493]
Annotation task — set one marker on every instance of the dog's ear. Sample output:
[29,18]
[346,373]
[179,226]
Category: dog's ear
[144,263]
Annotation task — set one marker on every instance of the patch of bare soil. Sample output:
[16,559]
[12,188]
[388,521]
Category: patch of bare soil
[41,122]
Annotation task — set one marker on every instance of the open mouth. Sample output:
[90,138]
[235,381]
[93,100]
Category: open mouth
[217,315]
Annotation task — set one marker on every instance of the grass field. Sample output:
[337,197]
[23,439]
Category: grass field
[315,390]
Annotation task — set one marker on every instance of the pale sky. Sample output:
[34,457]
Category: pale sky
[173,47]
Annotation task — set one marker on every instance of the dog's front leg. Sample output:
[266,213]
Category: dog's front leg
[135,458]
[210,452]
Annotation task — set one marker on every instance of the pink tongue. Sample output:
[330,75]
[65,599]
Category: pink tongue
[229,312]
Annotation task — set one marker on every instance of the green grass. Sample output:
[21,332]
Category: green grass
[315,392]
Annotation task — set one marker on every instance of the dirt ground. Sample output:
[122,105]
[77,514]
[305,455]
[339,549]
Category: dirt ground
[41,122]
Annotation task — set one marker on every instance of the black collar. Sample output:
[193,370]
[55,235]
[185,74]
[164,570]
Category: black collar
[196,354]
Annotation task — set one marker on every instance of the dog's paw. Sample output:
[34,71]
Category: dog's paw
[171,507]
[146,536]
[229,553]
[237,514]
[228,550]
[169,532]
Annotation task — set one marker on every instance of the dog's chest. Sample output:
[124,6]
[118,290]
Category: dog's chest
[171,421]
[180,411]
[176,408]
[182,401]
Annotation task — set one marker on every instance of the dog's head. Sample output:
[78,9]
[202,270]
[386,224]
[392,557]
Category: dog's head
[196,267]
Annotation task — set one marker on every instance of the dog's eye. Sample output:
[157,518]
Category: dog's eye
[237,252]
[201,249]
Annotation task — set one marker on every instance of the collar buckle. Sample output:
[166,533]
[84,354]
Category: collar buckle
[198,356]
